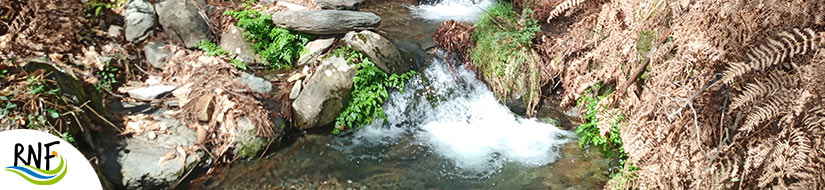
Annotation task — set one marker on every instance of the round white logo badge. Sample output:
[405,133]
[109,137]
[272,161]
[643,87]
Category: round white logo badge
[36,160]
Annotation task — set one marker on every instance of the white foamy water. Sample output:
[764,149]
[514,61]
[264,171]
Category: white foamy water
[460,10]
[456,117]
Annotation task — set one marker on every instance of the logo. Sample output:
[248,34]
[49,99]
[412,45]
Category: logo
[37,160]
[36,174]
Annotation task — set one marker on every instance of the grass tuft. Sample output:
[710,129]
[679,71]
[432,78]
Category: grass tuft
[503,54]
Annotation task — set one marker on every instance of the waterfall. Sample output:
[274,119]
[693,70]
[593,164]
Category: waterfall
[460,10]
[456,117]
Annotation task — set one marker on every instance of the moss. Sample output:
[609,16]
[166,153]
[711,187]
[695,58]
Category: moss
[362,37]
[250,147]
[645,42]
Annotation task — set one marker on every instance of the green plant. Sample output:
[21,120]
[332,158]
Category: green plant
[503,54]
[67,137]
[35,85]
[278,46]
[370,89]
[210,48]
[3,73]
[39,91]
[610,145]
[96,6]
[237,63]
[6,107]
[625,175]
[108,78]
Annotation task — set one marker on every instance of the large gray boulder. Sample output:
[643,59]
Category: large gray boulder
[75,92]
[151,160]
[379,49]
[339,4]
[325,95]
[325,22]
[182,22]
[140,18]
[232,41]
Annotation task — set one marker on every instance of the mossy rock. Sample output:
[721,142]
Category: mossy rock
[247,144]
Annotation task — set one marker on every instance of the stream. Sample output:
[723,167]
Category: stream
[445,130]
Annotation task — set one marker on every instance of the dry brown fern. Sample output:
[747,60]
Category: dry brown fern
[773,51]
[754,92]
[564,6]
[772,108]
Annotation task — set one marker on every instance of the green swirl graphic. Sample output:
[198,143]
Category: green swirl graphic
[63,166]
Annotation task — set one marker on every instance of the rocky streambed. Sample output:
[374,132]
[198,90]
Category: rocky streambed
[191,111]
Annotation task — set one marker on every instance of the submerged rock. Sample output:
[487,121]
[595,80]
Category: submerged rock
[140,18]
[324,22]
[182,22]
[380,50]
[325,95]
[516,105]
[247,144]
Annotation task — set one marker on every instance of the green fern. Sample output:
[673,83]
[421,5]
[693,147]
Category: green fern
[211,49]
[610,145]
[370,89]
[278,46]
[238,64]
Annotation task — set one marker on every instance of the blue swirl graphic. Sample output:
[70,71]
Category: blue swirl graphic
[31,173]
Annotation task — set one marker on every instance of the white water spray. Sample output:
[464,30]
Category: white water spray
[458,118]
[460,10]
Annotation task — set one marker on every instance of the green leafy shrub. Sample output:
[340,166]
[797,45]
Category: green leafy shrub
[370,89]
[611,144]
[278,46]
[503,54]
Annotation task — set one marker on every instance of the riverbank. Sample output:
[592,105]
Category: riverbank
[701,90]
